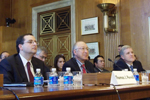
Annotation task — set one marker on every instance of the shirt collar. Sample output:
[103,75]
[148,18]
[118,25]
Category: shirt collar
[100,69]
[129,64]
[79,63]
[24,60]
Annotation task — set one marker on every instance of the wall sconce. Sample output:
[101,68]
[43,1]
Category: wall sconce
[109,13]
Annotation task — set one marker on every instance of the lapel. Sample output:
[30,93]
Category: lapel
[97,70]
[21,70]
[125,65]
[76,66]
[35,64]
[86,64]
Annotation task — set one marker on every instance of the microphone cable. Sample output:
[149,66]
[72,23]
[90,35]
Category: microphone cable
[11,92]
[113,87]
[114,63]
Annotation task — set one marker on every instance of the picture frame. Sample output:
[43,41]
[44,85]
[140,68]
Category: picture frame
[93,49]
[89,26]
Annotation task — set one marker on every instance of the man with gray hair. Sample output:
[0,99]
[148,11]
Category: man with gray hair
[127,60]
[79,61]
[41,53]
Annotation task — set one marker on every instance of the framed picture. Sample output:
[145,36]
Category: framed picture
[93,49]
[89,26]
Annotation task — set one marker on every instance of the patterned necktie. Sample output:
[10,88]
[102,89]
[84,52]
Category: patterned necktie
[83,68]
[131,67]
[29,72]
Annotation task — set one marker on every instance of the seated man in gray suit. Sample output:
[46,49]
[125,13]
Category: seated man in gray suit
[21,67]
[80,60]
[99,64]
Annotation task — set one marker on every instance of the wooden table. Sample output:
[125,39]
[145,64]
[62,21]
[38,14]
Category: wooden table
[127,92]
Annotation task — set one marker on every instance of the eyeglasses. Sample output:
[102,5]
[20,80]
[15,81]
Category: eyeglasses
[83,48]
[32,42]
[43,57]
[101,61]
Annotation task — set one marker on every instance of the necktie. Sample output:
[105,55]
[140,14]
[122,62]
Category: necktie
[131,67]
[29,72]
[83,68]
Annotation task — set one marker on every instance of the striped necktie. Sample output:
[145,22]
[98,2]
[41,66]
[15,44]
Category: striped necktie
[131,67]
[83,68]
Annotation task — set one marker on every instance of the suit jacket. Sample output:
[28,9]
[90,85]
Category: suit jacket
[13,70]
[121,63]
[97,70]
[74,66]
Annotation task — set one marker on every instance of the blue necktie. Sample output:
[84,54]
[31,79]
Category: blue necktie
[131,67]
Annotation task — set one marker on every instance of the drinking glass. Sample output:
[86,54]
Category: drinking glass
[144,77]
[61,78]
[77,78]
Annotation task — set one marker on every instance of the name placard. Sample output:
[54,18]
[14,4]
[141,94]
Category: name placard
[122,77]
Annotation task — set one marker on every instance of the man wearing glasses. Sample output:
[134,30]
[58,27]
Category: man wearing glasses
[79,62]
[41,53]
[21,67]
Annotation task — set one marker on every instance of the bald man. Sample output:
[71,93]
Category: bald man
[3,55]
[79,61]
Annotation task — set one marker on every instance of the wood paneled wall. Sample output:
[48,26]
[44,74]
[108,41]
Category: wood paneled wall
[133,23]
[88,9]
[22,12]
[5,11]
[135,28]
[8,37]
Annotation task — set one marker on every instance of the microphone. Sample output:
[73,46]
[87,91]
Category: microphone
[114,63]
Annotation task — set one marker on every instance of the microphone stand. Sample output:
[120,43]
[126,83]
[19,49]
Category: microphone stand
[114,63]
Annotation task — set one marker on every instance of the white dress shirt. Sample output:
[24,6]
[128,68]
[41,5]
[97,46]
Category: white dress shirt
[80,64]
[129,65]
[24,61]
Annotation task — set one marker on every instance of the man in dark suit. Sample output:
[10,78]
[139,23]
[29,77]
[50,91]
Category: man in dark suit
[127,60]
[80,60]
[22,67]
[42,55]
[99,64]
[118,56]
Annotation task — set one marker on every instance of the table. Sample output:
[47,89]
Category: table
[127,92]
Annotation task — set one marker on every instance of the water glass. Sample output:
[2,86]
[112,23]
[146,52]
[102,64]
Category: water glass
[144,77]
[61,78]
[77,78]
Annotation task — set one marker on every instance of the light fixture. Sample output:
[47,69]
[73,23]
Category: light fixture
[109,14]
